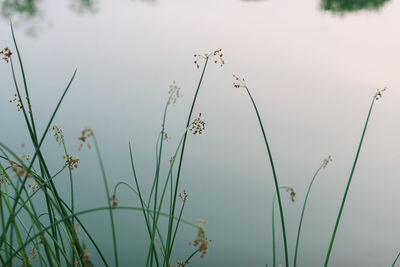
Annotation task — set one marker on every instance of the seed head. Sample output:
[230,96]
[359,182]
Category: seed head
[183,196]
[378,93]
[71,162]
[326,161]
[239,82]
[174,92]
[292,193]
[6,52]
[114,200]
[86,133]
[197,126]
[215,56]
[58,134]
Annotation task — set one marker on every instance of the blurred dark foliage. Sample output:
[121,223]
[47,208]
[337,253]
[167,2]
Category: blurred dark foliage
[30,8]
[344,6]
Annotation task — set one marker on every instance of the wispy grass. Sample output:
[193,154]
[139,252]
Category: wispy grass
[241,83]
[323,165]
[51,237]
[377,96]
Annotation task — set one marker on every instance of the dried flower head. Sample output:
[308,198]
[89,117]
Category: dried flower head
[378,93]
[292,193]
[6,52]
[215,56]
[174,92]
[86,258]
[239,82]
[34,186]
[18,170]
[183,196]
[197,126]
[86,133]
[3,179]
[25,157]
[201,241]
[58,134]
[71,162]
[15,99]
[28,260]
[326,161]
[75,229]
[114,200]
[201,221]
[34,252]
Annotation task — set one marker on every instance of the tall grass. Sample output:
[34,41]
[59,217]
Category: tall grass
[323,165]
[241,83]
[292,195]
[50,237]
[376,96]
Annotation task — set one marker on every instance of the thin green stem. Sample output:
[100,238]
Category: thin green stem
[348,185]
[108,200]
[395,260]
[275,178]
[170,224]
[302,214]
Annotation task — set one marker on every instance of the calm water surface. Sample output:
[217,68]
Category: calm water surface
[313,68]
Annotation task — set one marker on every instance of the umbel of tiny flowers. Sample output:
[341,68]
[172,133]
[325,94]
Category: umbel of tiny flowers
[197,126]
[292,193]
[58,133]
[183,196]
[201,241]
[114,200]
[19,171]
[239,82]
[326,161]
[6,52]
[86,133]
[71,162]
[16,100]
[174,92]
[378,94]
[215,56]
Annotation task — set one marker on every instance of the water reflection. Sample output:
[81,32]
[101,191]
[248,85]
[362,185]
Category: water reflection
[29,9]
[26,8]
[343,6]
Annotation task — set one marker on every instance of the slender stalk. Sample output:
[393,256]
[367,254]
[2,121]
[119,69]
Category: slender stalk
[273,224]
[349,182]
[302,212]
[275,178]
[191,256]
[395,260]
[170,224]
[108,200]
[273,232]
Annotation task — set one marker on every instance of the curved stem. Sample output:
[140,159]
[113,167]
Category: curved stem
[275,179]
[108,201]
[302,214]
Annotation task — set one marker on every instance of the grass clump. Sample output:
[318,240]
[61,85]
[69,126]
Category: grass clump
[50,237]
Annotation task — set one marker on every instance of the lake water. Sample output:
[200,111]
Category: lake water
[313,73]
